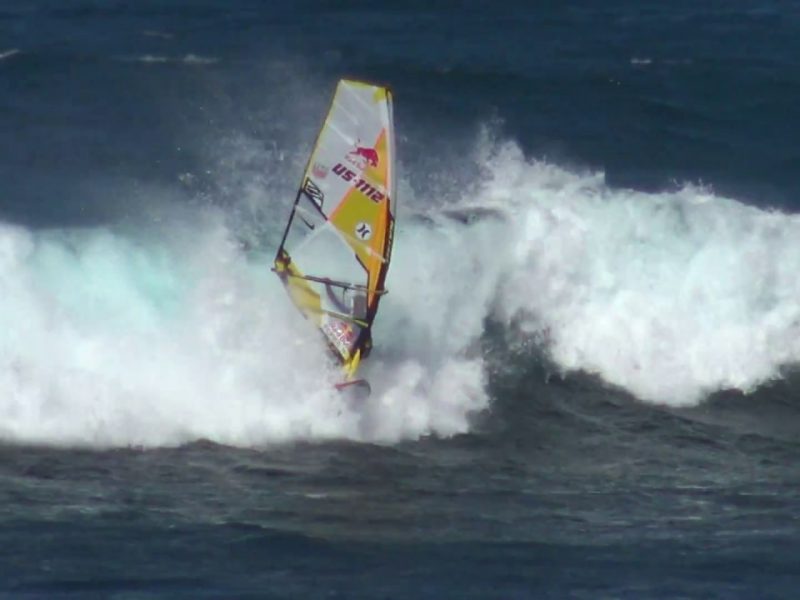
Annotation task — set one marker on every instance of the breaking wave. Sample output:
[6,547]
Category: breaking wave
[671,295]
[160,334]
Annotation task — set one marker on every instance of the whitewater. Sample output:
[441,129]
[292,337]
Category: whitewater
[163,331]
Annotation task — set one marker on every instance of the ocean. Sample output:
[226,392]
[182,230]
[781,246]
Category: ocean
[584,375]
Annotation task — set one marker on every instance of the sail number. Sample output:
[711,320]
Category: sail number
[360,184]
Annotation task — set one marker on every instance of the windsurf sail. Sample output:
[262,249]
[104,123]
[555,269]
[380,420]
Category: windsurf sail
[337,245]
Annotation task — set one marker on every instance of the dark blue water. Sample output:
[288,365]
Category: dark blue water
[585,375]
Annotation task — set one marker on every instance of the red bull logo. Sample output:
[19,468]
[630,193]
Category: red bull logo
[362,156]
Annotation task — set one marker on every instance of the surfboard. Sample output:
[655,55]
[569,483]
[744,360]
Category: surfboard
[337,245]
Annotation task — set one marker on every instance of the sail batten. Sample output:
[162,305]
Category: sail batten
[345,227]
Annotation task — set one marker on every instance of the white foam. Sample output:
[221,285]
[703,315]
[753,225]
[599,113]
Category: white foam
[173,335]
[5,54]
[670,295]
[161,336]
[194,59]
[187,59]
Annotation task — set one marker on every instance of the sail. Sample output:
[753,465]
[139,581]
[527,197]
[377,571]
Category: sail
[337,245]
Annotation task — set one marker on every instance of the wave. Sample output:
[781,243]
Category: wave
[6,54]
[670,295]
[187,59]
[116,338]
[167,332]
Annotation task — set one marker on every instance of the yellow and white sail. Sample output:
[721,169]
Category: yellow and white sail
[337,245]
